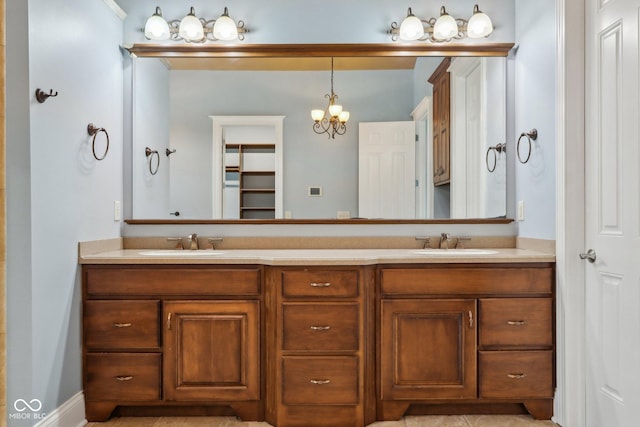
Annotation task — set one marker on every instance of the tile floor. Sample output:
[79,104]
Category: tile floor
[422,421]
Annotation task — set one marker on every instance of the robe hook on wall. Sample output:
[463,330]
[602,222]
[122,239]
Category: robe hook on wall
[169,152]
[42,96]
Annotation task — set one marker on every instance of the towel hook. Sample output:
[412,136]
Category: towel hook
[169,152]
[532,135]
[94,131]
[150,154]
[42,96]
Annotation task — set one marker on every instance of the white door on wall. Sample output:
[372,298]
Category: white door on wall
[386,170]
[612,327]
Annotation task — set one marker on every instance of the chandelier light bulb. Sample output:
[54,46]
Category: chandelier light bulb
[479,24]
[317,115]
[191,28]
[156,27]
[343,116]
[445,27]
[335,110]
[224,28]
[411,27]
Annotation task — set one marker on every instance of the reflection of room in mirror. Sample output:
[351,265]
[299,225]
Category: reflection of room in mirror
[179,95]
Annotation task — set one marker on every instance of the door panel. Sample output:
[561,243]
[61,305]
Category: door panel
[612,214]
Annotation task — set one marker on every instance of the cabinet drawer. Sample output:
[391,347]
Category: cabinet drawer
[121,324]
[516,374]
[320,380]
[466,281]
[156,280]
[320,283]
[122,376]
[320,327]
[516,322]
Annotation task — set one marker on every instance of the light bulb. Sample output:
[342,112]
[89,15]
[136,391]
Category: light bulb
[335,110]
[411,28]
[317,115]
[224,28]
[479,24]
[445,27]
[156,28]
[191,28]
[343,116]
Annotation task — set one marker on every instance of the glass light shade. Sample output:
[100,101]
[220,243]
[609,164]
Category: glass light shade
[317,115]
[445,27]
[411,28]
[344,116]
[335,110]
[156,28]
[225,29]
[479,25]
[191,28]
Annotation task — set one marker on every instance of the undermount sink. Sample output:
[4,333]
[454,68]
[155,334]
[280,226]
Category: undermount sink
[180,253]
[455,252]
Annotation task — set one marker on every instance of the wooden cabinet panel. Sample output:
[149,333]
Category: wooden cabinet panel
[460,281]
[212,350]
[127,281]
[320,380]
[440,79]
[516,322]
[121,324]
[428,349]
[320,327]
[122,376]
[320,283]
[516,374]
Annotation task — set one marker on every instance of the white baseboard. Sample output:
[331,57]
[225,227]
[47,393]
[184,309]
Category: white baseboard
[69,414]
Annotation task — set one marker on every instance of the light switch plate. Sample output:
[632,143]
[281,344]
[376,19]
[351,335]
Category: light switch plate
[117,214]
[521,210]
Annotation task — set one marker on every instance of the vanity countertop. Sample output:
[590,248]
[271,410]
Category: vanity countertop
[283,257]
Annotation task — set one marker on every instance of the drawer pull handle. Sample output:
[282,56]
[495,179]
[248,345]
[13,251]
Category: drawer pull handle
[516,322]
[124,378]
[169,321]
[320,328]
[320,382]
[470,319]
[516,376]
[320,285]
[122,325]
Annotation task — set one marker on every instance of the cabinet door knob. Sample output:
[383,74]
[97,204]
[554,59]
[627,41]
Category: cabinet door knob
[320,382]
[320,285]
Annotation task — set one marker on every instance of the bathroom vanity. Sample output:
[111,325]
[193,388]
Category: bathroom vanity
[347,336]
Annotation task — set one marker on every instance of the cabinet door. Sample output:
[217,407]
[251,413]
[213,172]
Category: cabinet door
[212,350]
[440,80]
[428,349]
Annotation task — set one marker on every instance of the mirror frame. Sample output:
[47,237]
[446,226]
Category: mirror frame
[318,50]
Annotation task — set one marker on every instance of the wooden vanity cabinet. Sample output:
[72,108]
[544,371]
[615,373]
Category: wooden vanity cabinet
[465,339]
[320,347]
[441,81]
[179,337]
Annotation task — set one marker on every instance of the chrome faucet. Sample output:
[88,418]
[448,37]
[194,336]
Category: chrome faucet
[193,239]
[444,238]
[426,241]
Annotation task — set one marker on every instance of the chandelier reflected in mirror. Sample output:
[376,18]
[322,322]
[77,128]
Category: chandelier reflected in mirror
[333,119]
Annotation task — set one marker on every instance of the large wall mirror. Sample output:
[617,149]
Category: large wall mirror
[180,99]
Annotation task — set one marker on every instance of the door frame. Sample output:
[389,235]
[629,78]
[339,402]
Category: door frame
[570,402]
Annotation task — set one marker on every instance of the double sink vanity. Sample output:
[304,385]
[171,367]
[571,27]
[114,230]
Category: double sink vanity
[343,337]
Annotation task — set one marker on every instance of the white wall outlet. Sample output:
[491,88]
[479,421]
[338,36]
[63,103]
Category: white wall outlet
[344,214]
[117,213]
[287,214]
[521,210]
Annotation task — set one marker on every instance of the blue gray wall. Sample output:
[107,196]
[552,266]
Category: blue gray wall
[57,193]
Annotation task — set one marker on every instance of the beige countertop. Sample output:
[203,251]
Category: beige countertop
[283,257]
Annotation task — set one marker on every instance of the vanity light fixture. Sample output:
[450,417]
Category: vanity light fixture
[332,120]
[192,29]
[442,29]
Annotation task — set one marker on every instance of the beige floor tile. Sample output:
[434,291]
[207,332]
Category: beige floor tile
[126,422]
[400,423]
[437,421]
[507,421]
[199,421]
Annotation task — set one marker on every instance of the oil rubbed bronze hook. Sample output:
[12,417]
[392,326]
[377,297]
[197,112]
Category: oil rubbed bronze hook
[169,152]
[42,96]
[94,131]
